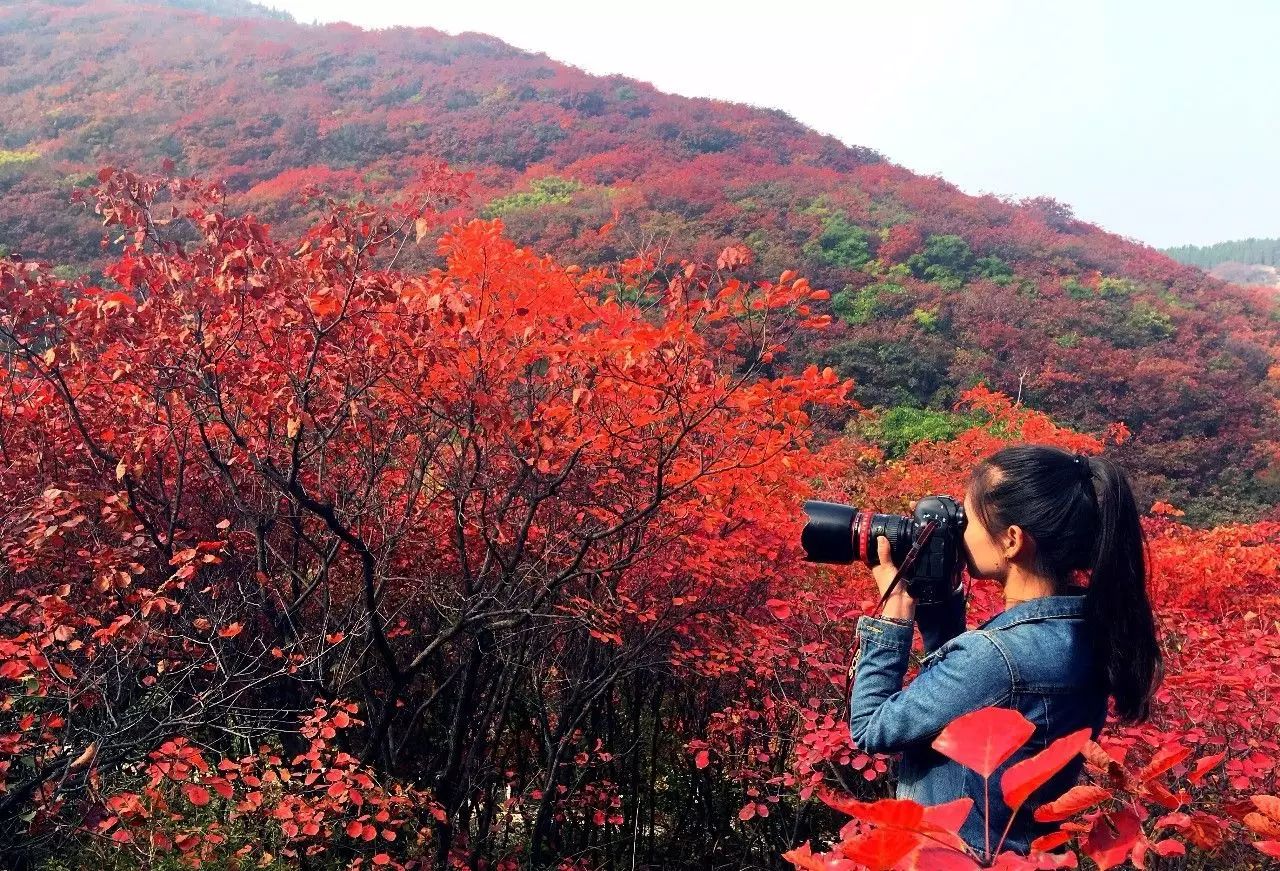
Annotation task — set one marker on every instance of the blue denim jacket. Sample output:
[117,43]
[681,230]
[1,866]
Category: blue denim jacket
[1034,657]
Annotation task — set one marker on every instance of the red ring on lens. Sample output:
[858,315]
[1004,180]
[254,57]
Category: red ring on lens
[864,534]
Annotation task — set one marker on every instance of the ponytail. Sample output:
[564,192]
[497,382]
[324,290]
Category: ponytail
[1082,515]
[1116,603]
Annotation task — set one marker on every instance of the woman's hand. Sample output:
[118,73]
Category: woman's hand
[900,604]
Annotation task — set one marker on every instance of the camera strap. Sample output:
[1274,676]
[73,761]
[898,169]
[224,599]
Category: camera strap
[908,564]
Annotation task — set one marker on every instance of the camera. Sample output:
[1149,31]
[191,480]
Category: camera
[837,533]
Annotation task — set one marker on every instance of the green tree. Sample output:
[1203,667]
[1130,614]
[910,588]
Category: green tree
[840,244]
[542,191]
[946,261]
[899,428]
[870,303]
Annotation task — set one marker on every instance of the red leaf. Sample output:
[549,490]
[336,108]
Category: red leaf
[937,859]
[881,849]
[949,816]
[1051,841]
[984,739]
[703,759]
[1165,758]
[748,811]
[1204,766]
[805,859]
[1022,779]
[1112,837]
[1073,801]
[778,608]
[1206,831]
[895,812]
[197,795]
[1269,848]
[1262,825]
[1170,847]
[1268,804]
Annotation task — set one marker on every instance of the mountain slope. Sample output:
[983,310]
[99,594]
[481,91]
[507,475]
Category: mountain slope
[933,290]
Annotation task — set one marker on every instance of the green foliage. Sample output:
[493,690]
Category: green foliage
[927,318]
[1143,325]
[1265,252]
[1116,288]
[994,268]
[709,139]
[1067,340]
[892,373]
[889,211]
[67,272]
[874,301]
[841,244]
[946,261]
[899,428]
[231,9]
[542,191]
[13,162]
[1076,290]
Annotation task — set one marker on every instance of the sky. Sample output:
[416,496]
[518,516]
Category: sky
[1156,120]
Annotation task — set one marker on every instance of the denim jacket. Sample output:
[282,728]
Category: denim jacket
[1034,657]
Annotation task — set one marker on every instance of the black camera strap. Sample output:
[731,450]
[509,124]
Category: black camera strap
[909,563]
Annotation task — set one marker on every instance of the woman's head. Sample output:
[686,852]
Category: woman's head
[1034,504]
[1059,514]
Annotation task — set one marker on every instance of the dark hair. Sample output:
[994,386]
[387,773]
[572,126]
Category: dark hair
[1081,513]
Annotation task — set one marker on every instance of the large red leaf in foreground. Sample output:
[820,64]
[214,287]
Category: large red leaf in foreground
[984,739]
[1028,775]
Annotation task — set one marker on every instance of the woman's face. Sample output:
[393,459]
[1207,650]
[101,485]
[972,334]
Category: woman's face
[984,558]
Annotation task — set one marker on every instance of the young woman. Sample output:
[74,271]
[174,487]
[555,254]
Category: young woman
[1036,516]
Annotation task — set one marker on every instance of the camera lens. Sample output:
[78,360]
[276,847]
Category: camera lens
[895,527]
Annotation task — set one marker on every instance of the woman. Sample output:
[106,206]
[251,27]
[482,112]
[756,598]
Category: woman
[1037,515]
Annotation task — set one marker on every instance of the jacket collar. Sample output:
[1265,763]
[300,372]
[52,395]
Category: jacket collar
[1042,608]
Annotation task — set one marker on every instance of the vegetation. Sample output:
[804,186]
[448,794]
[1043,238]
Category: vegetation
[1249,251]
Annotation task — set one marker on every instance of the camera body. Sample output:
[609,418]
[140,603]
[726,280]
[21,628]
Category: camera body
[837,533]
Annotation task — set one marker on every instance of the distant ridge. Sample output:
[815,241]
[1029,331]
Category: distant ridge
[1250,252]
[226,8]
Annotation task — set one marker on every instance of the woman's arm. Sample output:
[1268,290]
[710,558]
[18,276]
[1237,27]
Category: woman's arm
[884,717]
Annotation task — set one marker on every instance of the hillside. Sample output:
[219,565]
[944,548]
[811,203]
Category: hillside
[933,290]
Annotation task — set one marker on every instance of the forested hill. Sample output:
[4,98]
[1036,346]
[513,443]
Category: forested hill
[933,290]
[1243,261]
[1250,252]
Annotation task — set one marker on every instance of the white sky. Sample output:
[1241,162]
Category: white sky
[1157,119]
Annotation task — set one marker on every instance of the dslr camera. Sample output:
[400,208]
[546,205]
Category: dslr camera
[837,533]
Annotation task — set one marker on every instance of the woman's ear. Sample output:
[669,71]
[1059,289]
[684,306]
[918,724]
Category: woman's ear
[1017,544]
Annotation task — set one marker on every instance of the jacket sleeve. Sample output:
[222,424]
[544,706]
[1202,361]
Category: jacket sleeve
[884,717]
[941,622]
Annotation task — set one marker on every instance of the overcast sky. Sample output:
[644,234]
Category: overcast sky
[1157,120]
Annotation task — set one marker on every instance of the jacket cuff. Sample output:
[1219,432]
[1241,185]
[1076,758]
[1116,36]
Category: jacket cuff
[886,633]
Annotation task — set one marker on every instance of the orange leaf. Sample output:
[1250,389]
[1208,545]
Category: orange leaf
[1076,799]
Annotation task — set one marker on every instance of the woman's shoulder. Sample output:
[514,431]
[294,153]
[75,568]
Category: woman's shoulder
[978,650]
